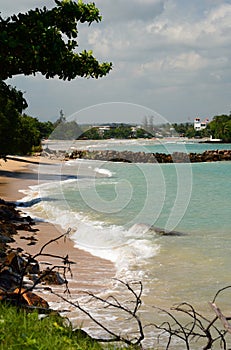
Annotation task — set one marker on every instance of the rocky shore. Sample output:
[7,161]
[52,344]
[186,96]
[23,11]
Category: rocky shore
[20,272]
[141,157]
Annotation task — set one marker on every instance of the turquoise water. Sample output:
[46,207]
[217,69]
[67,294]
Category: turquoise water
[113,207]
[153,146]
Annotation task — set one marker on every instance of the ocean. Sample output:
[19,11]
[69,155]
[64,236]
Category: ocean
[113,210]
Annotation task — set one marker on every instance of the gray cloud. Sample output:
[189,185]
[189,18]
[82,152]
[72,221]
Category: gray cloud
[8,8]
[172,56]
[120,10]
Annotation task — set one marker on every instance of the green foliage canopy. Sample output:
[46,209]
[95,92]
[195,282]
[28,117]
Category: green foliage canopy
[27,134]
[220,127]
[11,105]
[119,132]
[187,130]
[44,41]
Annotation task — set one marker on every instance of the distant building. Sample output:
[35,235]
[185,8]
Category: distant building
[102,128]
[200,125]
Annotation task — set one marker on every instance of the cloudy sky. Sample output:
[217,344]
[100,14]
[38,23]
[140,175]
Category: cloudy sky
[171,58]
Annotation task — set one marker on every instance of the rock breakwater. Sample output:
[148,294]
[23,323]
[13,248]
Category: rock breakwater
[142,157]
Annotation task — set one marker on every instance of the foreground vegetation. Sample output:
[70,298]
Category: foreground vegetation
[22,330]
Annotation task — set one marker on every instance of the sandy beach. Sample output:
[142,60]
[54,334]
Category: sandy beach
[90,273]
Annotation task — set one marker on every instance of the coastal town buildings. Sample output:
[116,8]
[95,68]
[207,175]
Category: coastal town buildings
[200,125]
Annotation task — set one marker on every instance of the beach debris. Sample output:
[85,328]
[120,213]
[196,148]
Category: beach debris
[14,261]
[23,297]
[18,267]
[49,277]
[224,320]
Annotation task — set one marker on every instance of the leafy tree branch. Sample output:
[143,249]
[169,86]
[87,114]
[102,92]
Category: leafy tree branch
[44,41]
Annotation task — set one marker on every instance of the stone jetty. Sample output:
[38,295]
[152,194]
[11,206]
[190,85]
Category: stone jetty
[142,157]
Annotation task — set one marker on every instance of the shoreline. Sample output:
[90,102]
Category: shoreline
[90,273]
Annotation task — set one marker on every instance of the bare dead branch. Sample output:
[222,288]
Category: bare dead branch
[66,267]
[76,304]
[221,317]
[112,302]
[218,292]
[63,235]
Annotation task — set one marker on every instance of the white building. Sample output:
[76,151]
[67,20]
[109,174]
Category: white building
[200,125]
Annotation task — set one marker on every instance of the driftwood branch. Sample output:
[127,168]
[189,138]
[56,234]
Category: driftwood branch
[113,303]
[63,235]
[222,318]
[220,291]
[196,327]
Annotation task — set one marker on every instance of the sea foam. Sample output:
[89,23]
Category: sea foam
[103,171]
[124,247]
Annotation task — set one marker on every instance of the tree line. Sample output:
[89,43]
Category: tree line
[218,128]
[22,134]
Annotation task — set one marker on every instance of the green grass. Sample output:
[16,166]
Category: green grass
[21,330]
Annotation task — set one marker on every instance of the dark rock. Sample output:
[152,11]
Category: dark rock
[26,227]
[8,212]
[30,238]
[6,239]
[31,243]
[14,261]
[51,277]
[23,297]
[32,299]
[9,280]
[163,232]
[29,219]
[7,229]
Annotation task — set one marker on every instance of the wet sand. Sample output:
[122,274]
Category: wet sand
[89,273]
